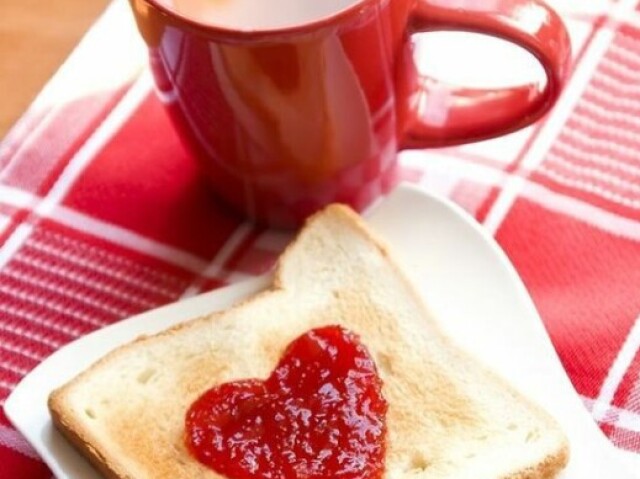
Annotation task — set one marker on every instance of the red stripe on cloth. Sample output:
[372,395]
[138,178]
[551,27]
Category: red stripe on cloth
[13,364]
[607,429]
[35,324]
[42,328]
[219,272]
[41,280]
[144,180]
[62,284]
[15,463]
[70,311]
[4,420]
[628,394]
[211,284]
[255,261]
[483,210]
[76,256]
[37,166]
[23,346]
[18,133]
[567,273]
[471,196]
[10,373]
[241,252]
[511,167]
[252,258]
[623,438]
[596,156]
[514,166]
[16,218]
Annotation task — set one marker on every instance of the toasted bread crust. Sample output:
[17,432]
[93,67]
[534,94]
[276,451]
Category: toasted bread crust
[549,467]
[75,434]
[84,440]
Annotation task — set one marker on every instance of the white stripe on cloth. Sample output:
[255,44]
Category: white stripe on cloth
[67,293]
[122,292]
[589,187]
[92,265]
[108,231]
[590,11]
[21,351]
[439,162]
[18,330]
[13,368]
[615,103]
[50,305]
[107,256]
[8,149]
[4,222]
[631,19]
[627,55]
[105,131]
[616,416]
[121,237]
[558,117]
[582,211]
[617,183]
[6,385]
[216,267]
[102,135]
[585,148]
[616,373]
[129,239]
[623,87]
[41,321]
[599,120]
[13,243]
[541,195]
[14,440]
[599,116]
[17,197]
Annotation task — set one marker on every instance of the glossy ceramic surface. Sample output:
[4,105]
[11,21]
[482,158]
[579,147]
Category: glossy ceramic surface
[287,120]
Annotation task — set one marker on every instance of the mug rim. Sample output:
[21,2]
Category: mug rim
[219,30]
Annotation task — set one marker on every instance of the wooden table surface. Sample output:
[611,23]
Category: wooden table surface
[35,38]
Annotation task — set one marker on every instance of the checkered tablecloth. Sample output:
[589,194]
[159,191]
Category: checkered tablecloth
[103,214]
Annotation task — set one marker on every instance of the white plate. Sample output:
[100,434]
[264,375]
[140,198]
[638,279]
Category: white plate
[470,286]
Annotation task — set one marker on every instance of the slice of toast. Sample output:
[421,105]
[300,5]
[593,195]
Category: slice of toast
[448,416]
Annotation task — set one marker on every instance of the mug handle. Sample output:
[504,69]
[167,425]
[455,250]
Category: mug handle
[444,115]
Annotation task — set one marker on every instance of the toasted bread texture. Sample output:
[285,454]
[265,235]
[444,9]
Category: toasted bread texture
[448,416]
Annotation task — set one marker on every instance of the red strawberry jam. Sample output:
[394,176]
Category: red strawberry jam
[320,414]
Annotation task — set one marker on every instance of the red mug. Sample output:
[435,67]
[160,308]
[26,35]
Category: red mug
[285,121]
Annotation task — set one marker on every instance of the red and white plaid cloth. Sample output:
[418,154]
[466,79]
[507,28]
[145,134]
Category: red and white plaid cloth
[103,215]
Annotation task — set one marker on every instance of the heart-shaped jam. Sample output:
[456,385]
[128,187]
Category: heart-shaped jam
[320,414]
